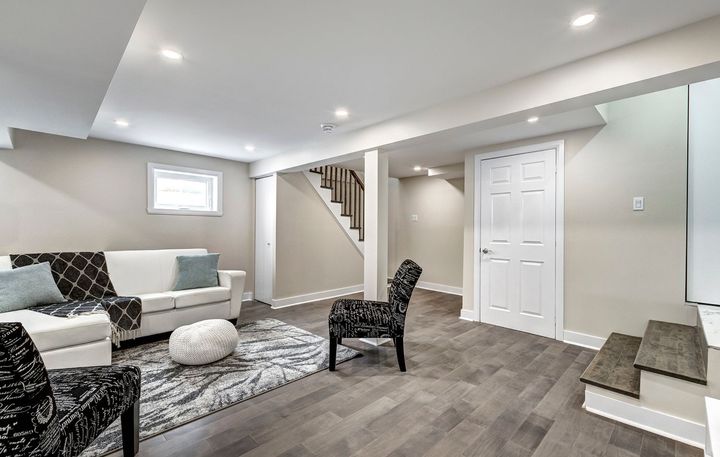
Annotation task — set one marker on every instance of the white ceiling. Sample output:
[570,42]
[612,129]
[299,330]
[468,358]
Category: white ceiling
[442,149]
[268,73]
[57,59]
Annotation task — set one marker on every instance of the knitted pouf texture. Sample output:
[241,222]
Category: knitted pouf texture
[203,342]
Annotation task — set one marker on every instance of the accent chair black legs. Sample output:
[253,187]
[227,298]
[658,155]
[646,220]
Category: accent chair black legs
[130,425]
[333,352]
[350,318]
[399,348]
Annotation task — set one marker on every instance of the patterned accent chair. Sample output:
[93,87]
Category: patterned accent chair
[59,413]
[373,319]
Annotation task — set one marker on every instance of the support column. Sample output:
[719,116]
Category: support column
[376,230]
[376,226]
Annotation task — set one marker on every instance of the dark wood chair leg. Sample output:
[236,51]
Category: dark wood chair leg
[400,352]
[333,352]
[339,340]
[130,425]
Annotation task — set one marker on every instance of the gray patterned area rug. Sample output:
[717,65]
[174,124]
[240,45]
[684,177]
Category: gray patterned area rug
[270,354]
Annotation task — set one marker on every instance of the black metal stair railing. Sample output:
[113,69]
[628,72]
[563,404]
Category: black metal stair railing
[348,190]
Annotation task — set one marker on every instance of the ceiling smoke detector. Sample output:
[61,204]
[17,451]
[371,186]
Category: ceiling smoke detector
[327,127]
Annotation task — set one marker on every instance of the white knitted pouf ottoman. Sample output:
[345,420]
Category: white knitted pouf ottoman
[203,342]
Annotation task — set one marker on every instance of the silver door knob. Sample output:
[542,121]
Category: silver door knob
[485,251]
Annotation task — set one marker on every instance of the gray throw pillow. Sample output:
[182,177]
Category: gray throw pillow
[28,286]
[196,271]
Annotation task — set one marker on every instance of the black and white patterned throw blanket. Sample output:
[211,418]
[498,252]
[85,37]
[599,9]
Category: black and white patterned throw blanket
[83,279]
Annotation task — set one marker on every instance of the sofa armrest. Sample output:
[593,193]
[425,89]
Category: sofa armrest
[235,280]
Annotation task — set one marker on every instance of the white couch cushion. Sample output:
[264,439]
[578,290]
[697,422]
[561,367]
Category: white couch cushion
[5,263]
[194,297]
[156,302]
[144,272]
[50,332]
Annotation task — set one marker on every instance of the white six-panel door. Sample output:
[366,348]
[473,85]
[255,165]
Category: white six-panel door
[517,242]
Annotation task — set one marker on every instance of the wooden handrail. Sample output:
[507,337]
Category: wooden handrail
[357,178]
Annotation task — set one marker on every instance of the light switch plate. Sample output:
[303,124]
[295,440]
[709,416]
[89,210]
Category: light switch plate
[414,217]
[638,203]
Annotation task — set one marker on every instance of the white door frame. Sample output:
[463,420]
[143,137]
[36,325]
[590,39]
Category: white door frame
[273,179]
[559,147]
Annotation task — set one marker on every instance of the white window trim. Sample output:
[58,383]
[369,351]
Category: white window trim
[151,167]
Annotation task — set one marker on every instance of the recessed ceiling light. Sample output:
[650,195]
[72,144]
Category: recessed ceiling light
[121,123]
[172,55]
[533,119]
[250,147]
[583,20]
[341,113]
[417,168]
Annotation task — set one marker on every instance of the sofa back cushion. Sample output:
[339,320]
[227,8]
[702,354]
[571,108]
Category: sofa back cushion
[78,275]
[145,272]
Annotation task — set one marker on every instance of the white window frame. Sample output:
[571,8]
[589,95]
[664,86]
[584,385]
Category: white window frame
[151,190]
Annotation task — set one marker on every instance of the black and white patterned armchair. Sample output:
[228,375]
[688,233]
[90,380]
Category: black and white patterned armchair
[59,413]
[374,319]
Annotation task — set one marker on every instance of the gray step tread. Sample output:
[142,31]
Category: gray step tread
[612,368]
[672,350]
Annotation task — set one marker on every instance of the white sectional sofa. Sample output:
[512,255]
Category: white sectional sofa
[150,275]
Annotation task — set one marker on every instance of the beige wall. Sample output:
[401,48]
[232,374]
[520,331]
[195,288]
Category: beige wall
[622,268]
[435,240]
[393,221]
[59,193]
[313,254]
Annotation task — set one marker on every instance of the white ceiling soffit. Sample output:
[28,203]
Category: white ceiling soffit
[447,171]
[6,138]
[668,60]
[447,148]
[268,73]
[57,59]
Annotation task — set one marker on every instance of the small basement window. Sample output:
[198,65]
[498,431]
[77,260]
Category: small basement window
[184,191]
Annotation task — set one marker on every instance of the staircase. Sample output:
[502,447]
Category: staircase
[344,194]
[658,382]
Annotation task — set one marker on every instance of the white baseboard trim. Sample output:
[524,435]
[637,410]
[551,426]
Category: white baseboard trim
[315,296]
[248,296]
[439,287]
[584,340]
[631,413]
[468,315]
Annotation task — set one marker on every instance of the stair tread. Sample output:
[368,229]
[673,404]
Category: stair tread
[672,350]
[612,368]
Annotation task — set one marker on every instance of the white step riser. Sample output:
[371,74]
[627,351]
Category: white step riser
[634,413]
[668,406]
[712,418]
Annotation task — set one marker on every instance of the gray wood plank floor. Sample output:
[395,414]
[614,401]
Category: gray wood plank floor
[470,390]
